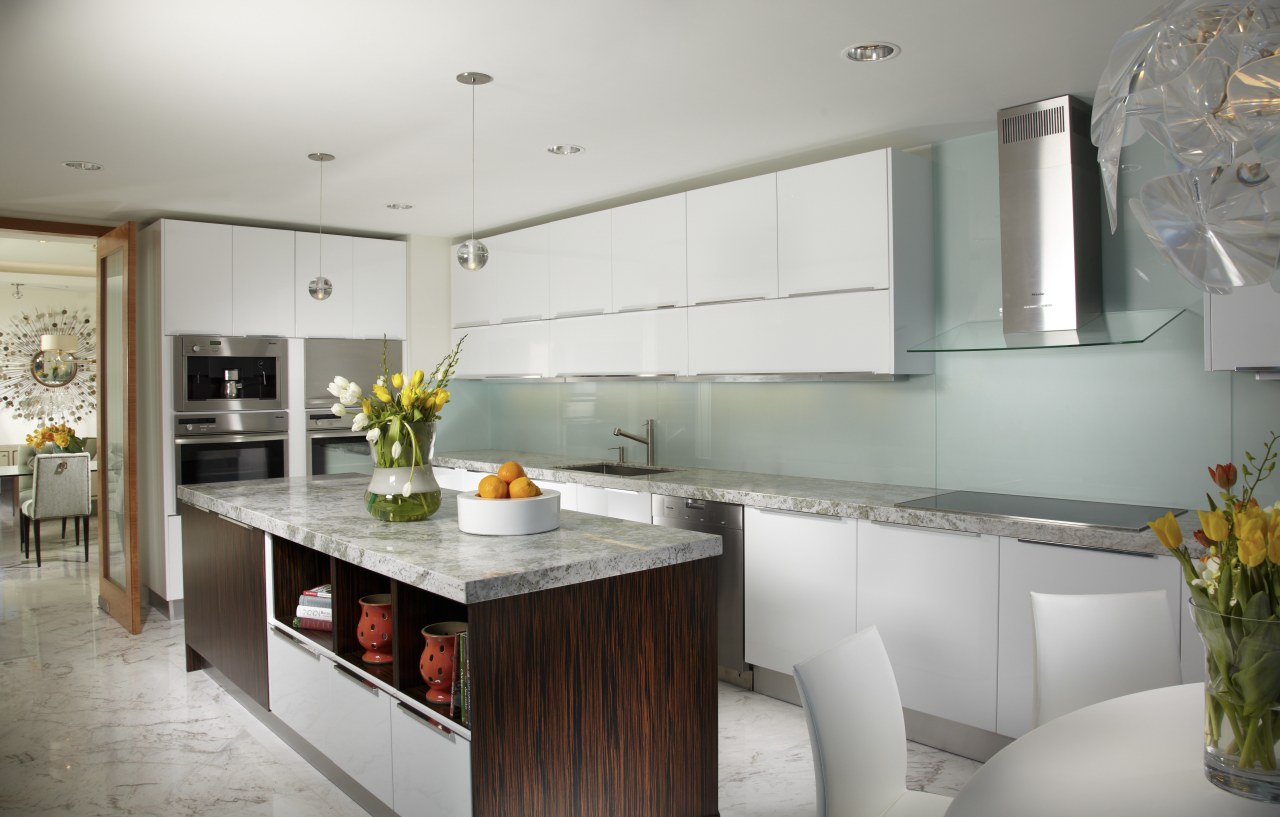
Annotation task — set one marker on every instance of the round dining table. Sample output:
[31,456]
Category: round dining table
[1142,754]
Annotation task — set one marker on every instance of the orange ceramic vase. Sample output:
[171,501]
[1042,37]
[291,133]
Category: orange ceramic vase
[437,663]
[374,631]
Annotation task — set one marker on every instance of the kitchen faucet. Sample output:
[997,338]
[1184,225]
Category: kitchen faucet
[647,439]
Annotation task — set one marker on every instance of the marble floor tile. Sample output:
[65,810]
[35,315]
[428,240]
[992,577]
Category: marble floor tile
[95,722]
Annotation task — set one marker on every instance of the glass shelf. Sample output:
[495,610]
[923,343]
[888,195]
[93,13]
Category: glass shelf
[1106,329]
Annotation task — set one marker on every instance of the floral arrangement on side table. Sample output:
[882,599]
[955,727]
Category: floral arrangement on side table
[1235,602]
[59,434]
[399,417]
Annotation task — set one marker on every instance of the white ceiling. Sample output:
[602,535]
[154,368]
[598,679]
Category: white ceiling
[208,110]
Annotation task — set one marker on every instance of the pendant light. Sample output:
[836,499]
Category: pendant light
[473,254]
[320,287]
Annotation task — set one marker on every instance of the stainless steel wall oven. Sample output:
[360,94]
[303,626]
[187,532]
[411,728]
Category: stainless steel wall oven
[231,447]
[333,448]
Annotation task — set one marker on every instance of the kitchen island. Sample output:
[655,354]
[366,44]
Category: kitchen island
[592,650]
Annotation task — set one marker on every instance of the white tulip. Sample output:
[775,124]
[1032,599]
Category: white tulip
[374,434]
[361,422]
[338,385]
[396,448]
[408,489]
[351,394]
[339,409]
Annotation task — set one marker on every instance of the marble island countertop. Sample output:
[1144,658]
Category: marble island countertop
[328,514]
[860,500]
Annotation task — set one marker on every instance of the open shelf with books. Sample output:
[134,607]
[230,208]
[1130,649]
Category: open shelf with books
[295,571]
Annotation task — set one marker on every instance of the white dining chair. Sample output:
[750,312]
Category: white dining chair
[60,490]
[851,703]
[1090,648]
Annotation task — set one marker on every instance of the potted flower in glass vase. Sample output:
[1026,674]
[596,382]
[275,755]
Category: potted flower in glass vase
[1234,582]
[399,417]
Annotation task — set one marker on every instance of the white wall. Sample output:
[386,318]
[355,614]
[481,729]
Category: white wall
[40,299]
[429,299]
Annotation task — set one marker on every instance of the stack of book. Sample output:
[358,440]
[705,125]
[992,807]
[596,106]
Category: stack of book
[460,707]
[315,609]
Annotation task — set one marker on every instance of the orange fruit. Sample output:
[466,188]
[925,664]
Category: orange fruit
[509,472]
[523,487]
[492,487]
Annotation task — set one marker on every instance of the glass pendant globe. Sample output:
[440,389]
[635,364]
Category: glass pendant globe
[472,254]
[320,287]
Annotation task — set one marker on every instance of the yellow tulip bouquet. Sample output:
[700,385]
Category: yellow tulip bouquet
[59,434]
[1234,581]
[398,417]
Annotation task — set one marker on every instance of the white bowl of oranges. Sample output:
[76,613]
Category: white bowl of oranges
[508,503]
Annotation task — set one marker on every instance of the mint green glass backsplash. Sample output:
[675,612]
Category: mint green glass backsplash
[1129,423]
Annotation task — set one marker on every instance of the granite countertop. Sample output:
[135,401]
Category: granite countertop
[328,515]
[860,500]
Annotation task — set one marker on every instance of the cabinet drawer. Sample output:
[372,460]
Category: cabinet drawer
[299,677]
[431,769]
[356,740]
[635,506]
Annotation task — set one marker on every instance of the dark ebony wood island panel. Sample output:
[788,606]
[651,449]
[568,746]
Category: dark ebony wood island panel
[598,698]
[224,580]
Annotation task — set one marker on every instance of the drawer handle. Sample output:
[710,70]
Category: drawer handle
[812,292]
[830,517]
[234,521]
[296,642]
[356,679]
[743,299]
[439,727]
[924,527]
[1087,547]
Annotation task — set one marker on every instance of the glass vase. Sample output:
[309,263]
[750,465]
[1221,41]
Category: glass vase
[1242,702]
[404,489]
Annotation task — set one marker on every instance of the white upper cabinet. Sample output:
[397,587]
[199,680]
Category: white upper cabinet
[649,254]
[1242,329]
[733,241]
[578,265]
[515,279]
[262,281]
[197,262]
[834,228]
[649,342]
[378,290]
[504,350]
[330,318]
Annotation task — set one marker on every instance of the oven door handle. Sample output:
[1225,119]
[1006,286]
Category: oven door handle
[332,433]
[229,438]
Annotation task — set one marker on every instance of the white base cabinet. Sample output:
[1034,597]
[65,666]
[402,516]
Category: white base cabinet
[636,506]
[800,585]
[933,595]
[1044,568]
[298,678]
[1242,329]
[431,769]
[360,721]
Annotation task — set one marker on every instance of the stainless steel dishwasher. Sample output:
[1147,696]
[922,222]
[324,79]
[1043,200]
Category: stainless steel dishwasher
[706,516]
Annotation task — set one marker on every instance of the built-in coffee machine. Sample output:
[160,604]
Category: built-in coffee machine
[230,374]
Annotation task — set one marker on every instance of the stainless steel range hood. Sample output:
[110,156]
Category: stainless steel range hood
[1050,240]
[1050,227]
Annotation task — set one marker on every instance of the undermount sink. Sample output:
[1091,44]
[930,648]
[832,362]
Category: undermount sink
[616,469]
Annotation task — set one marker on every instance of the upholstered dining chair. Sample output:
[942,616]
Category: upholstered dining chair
[1090,648]
[859,740]
[59,490]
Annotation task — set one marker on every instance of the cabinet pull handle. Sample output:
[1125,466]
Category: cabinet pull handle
[924,527]
[356,679]
[578,313]
[521,319]
[731,300]
[469,324]
[439,727]
[621,491]
[831,291]
[296,642]
[646,308]
[234,522]
[805,514]
[1087,547]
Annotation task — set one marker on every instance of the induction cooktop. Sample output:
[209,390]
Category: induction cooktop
[1044,509]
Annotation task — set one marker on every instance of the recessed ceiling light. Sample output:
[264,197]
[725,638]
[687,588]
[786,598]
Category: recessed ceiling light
[566,150]
[77,165]
[399,206]
[872,52]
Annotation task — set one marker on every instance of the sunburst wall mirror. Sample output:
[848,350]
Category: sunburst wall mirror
[48,366]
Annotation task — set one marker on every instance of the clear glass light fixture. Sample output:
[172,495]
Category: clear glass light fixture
[320,287]
[1203,80]
[473,254]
